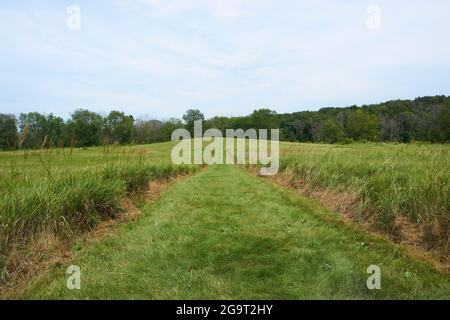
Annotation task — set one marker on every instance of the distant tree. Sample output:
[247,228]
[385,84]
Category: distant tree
[407,123]
[85,128]
[444,122]
[148,131]
[190,117]
[389,129]
[362,125]
[54,129]
[297,130]
[8,131]
[264,119]
[221,123]
[422,119]
[42,129]
[332,132]
[34,122]
[241,123]
[169,127]
[119,127]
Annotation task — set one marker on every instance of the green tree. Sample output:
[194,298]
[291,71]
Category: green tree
[407,123]
[221,123]
[35,122]
[297,130]
[148,131]
[190,117]
[169,127]
[331,131]
[85,128]
[41,128]
[119,127]
[53,129]
[444,122]
[362,125]
[264,119]
[8,131]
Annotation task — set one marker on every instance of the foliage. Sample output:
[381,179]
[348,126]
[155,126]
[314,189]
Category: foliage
[8,131]
[119,127]
[190,117]
[61,194]
[85,128]
[422,119]
[43,130]
[332,132]
[407,180]
[244,238]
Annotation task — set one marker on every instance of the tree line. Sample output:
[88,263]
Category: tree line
[422,119]
[404,121]
[84,129]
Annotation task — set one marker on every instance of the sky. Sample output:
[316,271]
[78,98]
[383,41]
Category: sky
[158,58]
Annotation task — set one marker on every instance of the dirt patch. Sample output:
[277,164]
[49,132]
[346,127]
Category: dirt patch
[344,202]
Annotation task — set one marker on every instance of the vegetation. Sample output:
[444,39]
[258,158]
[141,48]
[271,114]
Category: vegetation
[64,193]
[206,240]
[8,131]
[191,116]
[423,119]
[250,240]
[388,181]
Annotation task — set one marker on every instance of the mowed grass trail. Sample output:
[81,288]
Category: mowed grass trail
[224,234]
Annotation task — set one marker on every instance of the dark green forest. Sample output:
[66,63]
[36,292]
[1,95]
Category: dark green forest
[423,119]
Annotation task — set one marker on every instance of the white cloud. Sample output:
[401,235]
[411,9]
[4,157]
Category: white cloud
[225,57]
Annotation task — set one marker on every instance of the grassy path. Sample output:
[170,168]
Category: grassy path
[224,234]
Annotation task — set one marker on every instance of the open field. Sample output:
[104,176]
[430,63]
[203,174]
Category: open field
[395,186]
[408,179]
[65,193]
[224,233]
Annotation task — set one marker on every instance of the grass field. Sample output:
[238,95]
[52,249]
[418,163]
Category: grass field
[65,193]
[408,179]
[224,233]
[397,186]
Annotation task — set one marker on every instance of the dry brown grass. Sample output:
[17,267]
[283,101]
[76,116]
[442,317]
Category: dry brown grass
[25,261]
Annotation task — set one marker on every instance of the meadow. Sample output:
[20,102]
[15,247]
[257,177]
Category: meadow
[65,192]
[403,189]
[242,235]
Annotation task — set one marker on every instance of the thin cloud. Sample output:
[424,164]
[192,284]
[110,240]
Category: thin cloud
[224,57]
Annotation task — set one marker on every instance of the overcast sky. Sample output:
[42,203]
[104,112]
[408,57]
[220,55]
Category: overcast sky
[226,57]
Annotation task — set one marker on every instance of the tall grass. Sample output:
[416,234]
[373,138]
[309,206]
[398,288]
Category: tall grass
[392,180]
[67,195]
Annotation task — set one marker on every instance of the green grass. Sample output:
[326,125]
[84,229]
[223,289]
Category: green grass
[224,234]
[32,164]
[66,194]
[411,180]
